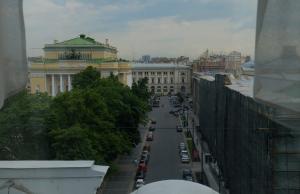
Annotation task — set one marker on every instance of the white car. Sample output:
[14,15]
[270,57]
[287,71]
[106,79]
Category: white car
[185,158]
[182,146]
[139,183]
[184,152]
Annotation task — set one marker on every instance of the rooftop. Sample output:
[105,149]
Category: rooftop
[28,164]
[81,41]
[243,85]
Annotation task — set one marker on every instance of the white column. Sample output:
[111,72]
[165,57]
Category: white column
[46,88]
[61,83]
[53,87]
[69,83]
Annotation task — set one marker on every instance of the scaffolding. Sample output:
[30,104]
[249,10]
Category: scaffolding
[255,154]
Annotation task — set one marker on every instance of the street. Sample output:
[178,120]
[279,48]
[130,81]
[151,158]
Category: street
[165,161]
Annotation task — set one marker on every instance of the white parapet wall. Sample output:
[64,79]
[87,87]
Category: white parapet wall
[50,177]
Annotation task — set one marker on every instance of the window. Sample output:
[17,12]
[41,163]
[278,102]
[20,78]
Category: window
[171,73]
[152,73]
[37,88]
[133,73]
[172,89]
[152,80]
[152,89]
[165,80]
[140,73]
[158,89]
[146,73]
[172,80]
[158,73]
[158,80]
[182,80]
[165,89]
[182,73]
[165,73]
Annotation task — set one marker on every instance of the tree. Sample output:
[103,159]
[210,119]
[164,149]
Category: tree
[101,117]
[87,78]
[23,133]
[140,89]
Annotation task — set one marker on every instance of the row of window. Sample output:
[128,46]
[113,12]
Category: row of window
[159,80]
[159,89]
[155,73]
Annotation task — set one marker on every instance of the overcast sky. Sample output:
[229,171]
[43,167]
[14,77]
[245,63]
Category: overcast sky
[137,27]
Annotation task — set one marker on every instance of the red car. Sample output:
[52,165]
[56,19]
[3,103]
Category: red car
[142,166]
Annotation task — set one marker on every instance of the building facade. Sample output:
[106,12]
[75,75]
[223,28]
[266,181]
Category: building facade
[209,63]
[164,78]
[255,153]
[53,73]
[233,62]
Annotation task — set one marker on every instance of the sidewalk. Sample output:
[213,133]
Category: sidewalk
[123,181]
[211,176]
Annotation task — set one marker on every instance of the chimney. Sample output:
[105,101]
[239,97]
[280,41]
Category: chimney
[106,41]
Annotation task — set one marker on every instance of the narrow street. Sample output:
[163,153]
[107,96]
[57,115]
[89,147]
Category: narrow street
[165,161]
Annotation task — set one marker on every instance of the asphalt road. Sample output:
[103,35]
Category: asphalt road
[164,157]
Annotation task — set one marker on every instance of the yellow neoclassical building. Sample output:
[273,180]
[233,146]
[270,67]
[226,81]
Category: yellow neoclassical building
[53,73]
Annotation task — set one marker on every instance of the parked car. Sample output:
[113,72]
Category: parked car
[182,146]
[139,183]
[179,129]
[145,151]
[177,105]
[185,158]
[142,166]
[184,152]
[153,122]
[152,128]
[145,157]
[149,136]
[140,174]
[187,174]
[146,148]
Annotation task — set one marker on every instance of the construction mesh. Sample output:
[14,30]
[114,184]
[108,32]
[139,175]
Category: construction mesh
[255,154]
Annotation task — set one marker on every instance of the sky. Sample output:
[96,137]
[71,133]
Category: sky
[167,28]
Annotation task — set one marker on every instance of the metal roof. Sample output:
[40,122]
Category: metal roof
[28,164]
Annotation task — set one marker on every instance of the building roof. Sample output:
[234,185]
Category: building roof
[243,85]
[27,164]
[174,187]
[81,41]
[137,66]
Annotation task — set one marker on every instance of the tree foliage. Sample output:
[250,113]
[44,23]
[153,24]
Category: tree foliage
[97,120]
[23,132]
[105,110]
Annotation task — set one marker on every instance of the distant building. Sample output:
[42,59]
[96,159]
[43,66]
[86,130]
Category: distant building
[146,59]
[233,63]
[183,60]
[163,60]
[209,63]
[164,78]
[53,73]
